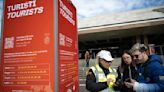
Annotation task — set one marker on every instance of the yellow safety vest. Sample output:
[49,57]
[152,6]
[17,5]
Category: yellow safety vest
[100,77]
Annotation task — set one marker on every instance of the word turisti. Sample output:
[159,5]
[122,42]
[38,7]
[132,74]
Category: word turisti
[23,9]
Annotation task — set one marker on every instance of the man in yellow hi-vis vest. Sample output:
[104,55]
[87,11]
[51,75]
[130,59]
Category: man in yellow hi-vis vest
[100,78]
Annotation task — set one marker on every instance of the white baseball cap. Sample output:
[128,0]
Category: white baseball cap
[104,54]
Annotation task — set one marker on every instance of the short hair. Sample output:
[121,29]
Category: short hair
[138,46]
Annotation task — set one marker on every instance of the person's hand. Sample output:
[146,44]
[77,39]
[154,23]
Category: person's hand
[130,84]
[110,80]
[132,80]
[115,85]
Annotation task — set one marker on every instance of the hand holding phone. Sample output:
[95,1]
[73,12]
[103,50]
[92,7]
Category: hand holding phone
[128,80]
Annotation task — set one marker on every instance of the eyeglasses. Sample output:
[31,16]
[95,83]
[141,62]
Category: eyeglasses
[108,61]
[136,56]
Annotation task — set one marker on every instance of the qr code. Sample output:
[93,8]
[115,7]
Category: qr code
[9,43]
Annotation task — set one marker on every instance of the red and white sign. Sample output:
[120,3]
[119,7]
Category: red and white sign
[28,49]
[67,49]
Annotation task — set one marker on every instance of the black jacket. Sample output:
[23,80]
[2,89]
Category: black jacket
[91,84]
[125,76]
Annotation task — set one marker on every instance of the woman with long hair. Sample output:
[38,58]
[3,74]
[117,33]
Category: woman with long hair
[126,71]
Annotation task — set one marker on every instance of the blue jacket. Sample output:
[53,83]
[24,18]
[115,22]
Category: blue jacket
[151,75]
[156,58]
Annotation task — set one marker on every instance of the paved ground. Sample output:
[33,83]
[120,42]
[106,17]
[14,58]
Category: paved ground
[82,78]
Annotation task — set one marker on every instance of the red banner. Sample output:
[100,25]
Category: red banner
[28,46]
[68,56]
[28,50]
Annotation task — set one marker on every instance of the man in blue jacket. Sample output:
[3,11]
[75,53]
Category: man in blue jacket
[151,72]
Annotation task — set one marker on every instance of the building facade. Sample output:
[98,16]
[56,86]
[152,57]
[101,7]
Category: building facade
[118,32]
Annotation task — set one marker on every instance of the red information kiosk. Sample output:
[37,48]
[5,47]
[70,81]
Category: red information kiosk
[39,46]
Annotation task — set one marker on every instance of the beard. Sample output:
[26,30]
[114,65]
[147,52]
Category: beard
[137,61]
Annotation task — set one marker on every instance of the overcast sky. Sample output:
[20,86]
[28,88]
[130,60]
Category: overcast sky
[88,8]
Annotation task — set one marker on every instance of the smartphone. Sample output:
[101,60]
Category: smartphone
[127,80]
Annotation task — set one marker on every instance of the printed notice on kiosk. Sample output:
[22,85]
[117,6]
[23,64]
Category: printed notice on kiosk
[29,57]
[28,46]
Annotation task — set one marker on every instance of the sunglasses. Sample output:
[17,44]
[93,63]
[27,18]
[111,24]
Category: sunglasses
[108,61]
[136,56]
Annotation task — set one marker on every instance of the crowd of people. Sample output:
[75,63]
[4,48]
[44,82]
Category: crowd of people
[138,72]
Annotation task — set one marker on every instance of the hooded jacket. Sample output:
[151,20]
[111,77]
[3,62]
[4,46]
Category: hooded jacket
[156,58]
[151,75]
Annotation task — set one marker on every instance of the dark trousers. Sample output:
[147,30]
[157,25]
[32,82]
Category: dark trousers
[87,63]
